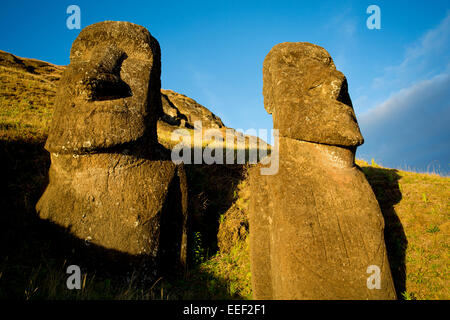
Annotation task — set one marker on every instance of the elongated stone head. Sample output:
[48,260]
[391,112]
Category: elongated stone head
[307,96]
[109,95]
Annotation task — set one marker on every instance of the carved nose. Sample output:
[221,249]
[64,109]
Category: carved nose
[102,80]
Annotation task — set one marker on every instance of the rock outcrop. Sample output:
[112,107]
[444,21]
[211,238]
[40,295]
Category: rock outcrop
[316,229]
[184,111]
[110,182]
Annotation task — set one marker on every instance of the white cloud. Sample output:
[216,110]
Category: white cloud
[425,58]
[343,23]
[434,41]
[406,99]
[411,128]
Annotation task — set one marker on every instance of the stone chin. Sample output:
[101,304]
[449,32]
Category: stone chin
[340,127]
[331,124]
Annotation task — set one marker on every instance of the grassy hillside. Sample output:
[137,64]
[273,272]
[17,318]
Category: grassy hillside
[34,254]
[416,210]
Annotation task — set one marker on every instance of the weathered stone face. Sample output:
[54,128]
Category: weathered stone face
[109,94]
[307,96]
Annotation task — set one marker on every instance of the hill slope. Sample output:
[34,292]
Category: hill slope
[28,90]
[415,207]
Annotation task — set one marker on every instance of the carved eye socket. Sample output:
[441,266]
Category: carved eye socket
[344,96]
[103,81]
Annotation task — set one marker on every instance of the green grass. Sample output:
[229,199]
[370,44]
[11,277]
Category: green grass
[416,210]
[234,268]
[26,105]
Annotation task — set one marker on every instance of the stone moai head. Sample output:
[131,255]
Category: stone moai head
[109,95]
[308,97]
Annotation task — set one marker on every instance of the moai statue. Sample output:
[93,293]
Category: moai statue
[109,182]
[316,229]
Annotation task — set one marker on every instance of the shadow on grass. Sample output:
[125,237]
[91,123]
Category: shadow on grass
[35,253]
[384,183]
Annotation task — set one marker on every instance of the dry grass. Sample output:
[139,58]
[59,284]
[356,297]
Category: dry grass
[418,204]
[26,105]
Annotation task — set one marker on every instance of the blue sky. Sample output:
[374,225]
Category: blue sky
[213,52]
